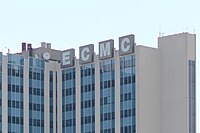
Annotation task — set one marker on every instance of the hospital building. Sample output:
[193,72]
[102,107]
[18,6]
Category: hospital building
[123,87]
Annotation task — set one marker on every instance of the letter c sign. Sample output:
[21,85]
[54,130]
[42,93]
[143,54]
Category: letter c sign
[86,54]
[126,44]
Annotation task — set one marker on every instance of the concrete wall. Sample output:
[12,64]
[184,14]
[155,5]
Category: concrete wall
[147,90]
[174,53]
[4,94]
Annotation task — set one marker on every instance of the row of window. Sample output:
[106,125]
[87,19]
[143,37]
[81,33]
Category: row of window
[87,104]
[16,59]
[68,91]
[15,88]
[87,88]
[107,68]
[36,62]
[69,122]
[126,97]
[15,104]
[15,120]
[36,91]
[127,64]
[68,76]
[88,119]
[127,113]
[68,107]
[36,122]
[106,100]
[108,116]
[36,107]
[15,72]
[107,84]
[127,80]
[112,130]
[10,132]
[89,132]
[36,75]
[87,72]
[128,129]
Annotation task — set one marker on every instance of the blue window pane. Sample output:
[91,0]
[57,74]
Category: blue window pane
[107,96]
[87,98]
[68,100]
[15,93]
[127,94]
[36,95]
[192,97]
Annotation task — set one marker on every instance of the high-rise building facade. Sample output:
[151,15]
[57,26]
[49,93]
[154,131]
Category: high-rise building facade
[135,89]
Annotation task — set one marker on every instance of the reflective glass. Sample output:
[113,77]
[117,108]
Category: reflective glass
[192,97]
[127,94]
[87,98]
[15,93]
[107,96]
[36,95]
[68,100]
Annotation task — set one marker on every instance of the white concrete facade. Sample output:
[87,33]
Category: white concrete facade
[162,88]
[147,90]
[175,53]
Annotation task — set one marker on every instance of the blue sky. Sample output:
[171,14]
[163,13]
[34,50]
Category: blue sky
[70,24]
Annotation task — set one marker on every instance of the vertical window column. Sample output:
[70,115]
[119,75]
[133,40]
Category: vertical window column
[51,100]
[68,100]
[36,95]
[127,94]
[88,98]
[15,93]
[192,97]
[107,96]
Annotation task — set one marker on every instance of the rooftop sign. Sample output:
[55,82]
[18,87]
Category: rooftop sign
[106,51]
